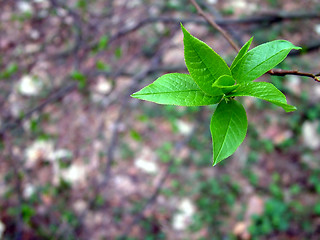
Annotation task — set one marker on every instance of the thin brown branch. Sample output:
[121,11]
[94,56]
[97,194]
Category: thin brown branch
[281,72]
[215,25]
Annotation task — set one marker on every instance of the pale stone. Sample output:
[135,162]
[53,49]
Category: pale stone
[76,173]
[2,229]
[34,34]
[60,154]
[317,29]
[28,190]
[38,150]
[310,136]
[183,218]
[146,161]
[80,206]
[30,86]
[146,166]
[103,85]
[255,207]
[184,127]
[25,7]
[240,230]
[124,184]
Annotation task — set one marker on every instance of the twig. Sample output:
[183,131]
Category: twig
[236,35]
[281,72]
[216,26]
[54,97]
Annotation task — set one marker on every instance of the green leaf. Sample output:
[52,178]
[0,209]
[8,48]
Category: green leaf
[228,129]
[205,65]
[241,53]
[103,43]
[225,84]
[82,79]
[265,91]
[176,89]
[261,59]
[9,71]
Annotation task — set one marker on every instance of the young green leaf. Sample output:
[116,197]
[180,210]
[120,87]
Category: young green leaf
[176,89]
[241,53]
[261,59]
[265,91]
[225,84]
[205,65]
[228,129]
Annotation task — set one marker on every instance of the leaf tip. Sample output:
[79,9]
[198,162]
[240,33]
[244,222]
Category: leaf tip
[214,163]
[134,95]
[184,30]
[291,109]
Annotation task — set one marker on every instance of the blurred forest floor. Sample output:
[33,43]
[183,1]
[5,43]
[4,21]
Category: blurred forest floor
[80,159]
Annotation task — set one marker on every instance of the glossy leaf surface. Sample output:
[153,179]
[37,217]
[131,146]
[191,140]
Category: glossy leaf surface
[175,89]
[204,65]
[228,129]
[265,91]
[241,53]
[261,59]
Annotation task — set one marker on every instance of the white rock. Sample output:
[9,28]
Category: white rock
[31,48]
[28,190]
[80,206]
[244,5]
[146,166]
[124,184]
[38,150]
[60,154]
[2,228]
[133,3]
[146,161]
[25,7]
[30,86]
[212,1]
[311,138]
[182,219]
[103,86]
[34,34]
[61,12]
[76,173]
[317,29]
[316,90]
[184,127]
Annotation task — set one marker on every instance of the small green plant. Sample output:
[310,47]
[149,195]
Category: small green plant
[211,81]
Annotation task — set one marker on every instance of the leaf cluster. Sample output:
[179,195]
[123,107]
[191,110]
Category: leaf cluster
[212,81]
